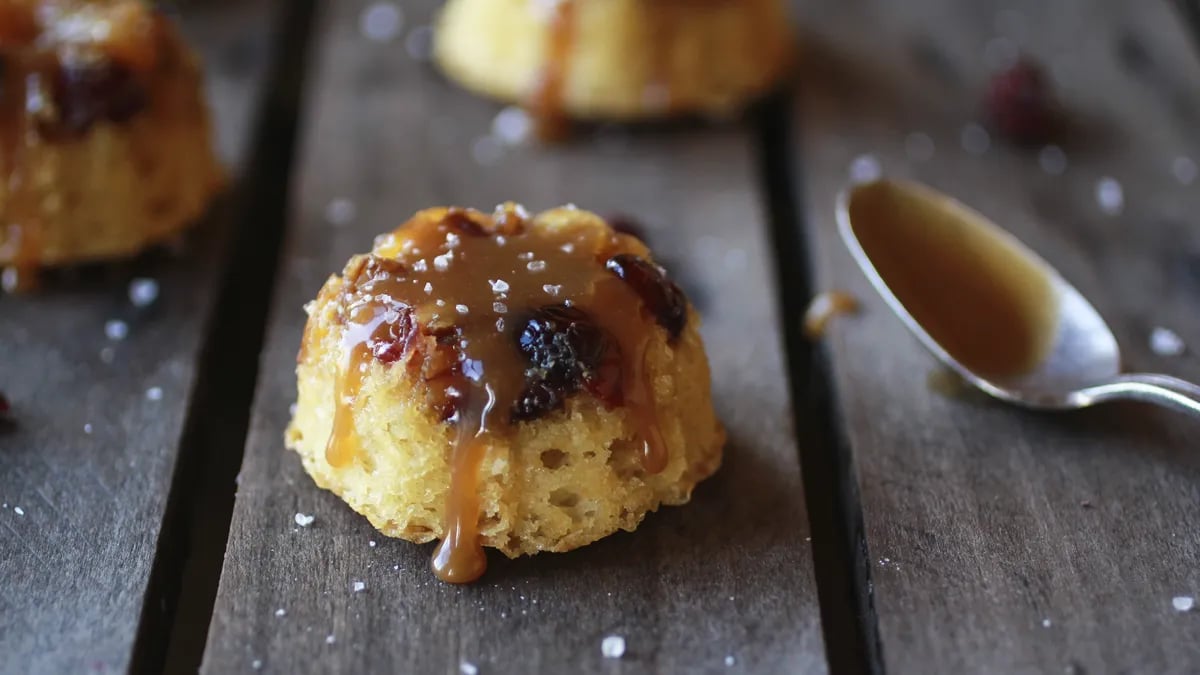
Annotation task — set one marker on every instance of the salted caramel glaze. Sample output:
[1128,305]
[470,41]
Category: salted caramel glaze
[502,320]
[972,290]
[64,66]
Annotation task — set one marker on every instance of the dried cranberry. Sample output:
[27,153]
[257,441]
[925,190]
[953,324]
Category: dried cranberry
[393,339]
[87,91]
[1020,104]
[661,296]
[626,224]
[565,351]
[461,222]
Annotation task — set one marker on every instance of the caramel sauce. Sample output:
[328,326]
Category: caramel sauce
[37,93]
[971,289]
[447,295]
[823,308]
[547,101]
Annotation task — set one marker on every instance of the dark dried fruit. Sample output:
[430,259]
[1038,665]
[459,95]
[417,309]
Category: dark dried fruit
[661,296]
[1020,104]
[565,351]
[88,91]
[459,221]
[393,339]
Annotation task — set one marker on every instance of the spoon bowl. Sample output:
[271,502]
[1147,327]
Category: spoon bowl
[988,306]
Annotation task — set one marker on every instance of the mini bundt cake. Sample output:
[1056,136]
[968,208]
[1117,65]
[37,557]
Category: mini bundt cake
[616,59]
[528,384]
[104,135]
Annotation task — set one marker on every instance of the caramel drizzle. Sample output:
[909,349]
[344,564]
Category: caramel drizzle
[490,373]
[547,103]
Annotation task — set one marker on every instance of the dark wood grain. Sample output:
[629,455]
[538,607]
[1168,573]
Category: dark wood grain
[728,575]
[89,457]
[1002,540]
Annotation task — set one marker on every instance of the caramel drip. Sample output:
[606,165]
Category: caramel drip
[547,102]
[446,296]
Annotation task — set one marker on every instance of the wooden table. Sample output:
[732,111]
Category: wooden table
[926,533]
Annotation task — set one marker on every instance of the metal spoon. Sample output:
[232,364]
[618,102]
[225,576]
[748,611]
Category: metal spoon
[1078,363]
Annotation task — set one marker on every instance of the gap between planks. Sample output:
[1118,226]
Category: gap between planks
[187,564]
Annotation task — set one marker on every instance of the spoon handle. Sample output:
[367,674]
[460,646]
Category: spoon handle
[1163,390]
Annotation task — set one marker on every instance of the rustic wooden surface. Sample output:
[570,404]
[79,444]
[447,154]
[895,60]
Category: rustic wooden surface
[86,467]
[1001,540]
[727,576]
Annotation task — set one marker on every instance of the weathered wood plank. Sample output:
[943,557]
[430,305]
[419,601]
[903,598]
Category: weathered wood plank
[726,576]
[90,457]
[1006,541]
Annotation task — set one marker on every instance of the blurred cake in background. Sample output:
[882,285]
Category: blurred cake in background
[616,59]
[104,133]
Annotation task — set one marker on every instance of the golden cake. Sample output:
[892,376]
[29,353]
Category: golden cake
[616,59]
[523,383]
[104,135]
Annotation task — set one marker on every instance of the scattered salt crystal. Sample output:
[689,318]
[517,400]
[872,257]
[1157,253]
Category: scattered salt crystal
[18,510]
[381,21]
[420,266]
[918,146]
[371,543]
[462,309]
[1185,170]
[486,150]
[1166,342]
[154,394]
[87,428]
[499,308]
[468,668]
[1000,54]
[330,639]
[499,285]
[512,126]
[115,329]
[535,265]
[419,43]
[1183,603]
[975,139]
[428,288]
[729,660]
[1110,196]
[340,212]
[359,587]
[304,520]
[442,262]
[143,292]
[864,169]
[281,612]
[613,647]
[1046,623]
[552,289]
[1053,160]
[256,664]
[293,408]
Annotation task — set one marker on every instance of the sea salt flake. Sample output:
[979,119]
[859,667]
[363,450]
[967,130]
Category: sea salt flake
[1046,623]
[1110,196]
[115,329]
[87,428]
[499,308]
[975,139]
[1166,342]
[154,394]
[381,21]
[143,292]
[256,664]
[18,510]
[419,43]
[358,587]
[512,126]
[498,285]
[613,647]
[1183,603]
[371,543]
[864,169]
[340,212]
[304,520]
[442,262]
[552,289]
[462,309]
[729,660]
[468,668]
[535,265]
[281,612]
[919,146]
